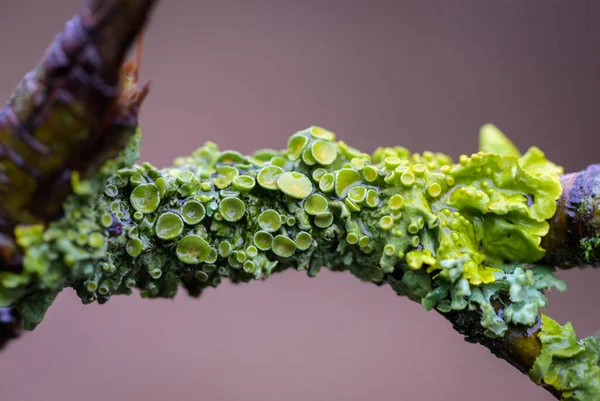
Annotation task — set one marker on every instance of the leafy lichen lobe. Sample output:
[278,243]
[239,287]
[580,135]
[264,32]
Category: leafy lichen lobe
[566,363]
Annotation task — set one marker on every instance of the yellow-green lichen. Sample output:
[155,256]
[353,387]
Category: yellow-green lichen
[450,235]
[566,363]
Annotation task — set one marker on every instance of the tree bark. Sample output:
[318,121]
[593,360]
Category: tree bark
[83,63]
[574,237]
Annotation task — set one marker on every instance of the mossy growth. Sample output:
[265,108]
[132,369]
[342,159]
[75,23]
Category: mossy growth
[590,247]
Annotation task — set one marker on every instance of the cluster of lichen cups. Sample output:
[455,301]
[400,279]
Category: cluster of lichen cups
[270,195]
[312,183]
[450,236]
[433,229]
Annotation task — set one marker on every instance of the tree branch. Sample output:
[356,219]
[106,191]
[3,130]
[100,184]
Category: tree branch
[68,114]
[520,346]
[386,220]
[574,237]
[76,88]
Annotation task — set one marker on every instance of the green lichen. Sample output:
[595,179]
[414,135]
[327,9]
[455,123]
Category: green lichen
[492,140]
[457,233]
[518,287]
[566,363]
[452,236]
[589,245]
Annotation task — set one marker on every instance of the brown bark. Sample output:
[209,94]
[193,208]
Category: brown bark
[82,68]
[574,237]
[520,346]
[67,115]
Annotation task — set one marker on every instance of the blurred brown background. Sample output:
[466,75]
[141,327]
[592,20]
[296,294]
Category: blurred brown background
[422,74]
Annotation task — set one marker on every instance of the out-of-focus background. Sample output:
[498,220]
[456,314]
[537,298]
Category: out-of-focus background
[246,74]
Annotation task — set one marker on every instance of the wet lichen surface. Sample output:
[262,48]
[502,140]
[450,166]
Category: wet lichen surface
[452,236]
